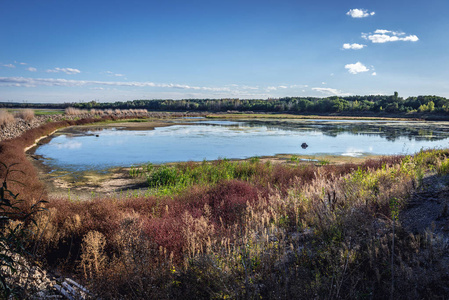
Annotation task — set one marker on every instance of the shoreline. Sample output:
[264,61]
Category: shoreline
[110,181]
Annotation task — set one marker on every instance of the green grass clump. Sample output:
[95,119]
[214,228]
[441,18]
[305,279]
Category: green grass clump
[444,167]
[39,112]
[173,179]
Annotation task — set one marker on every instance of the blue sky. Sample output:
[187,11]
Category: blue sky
[64,51]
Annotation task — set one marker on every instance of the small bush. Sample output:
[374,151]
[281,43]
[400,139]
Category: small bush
[74,111]
[25,114]
[5,118]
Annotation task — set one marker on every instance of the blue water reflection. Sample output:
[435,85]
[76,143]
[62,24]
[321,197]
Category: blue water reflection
[219,139]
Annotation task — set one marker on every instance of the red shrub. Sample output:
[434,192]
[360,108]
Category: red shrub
[228,200]
[166,232]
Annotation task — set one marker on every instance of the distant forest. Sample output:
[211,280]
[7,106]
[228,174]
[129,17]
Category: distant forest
[335,104]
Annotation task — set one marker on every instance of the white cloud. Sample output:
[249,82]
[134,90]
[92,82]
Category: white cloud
[330,91]
[298,86]
[69,71]
[381,36]
[356,68]
[33,82]
[247,87]
[275,88]
[323,82]
[9,66]
[374,74]
[31,69]
[360,13]
[354,46]
[410,38]
[114,74]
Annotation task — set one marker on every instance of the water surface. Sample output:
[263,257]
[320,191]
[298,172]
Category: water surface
[209,140]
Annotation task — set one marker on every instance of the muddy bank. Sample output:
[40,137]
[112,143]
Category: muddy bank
[84,185]
[117,182]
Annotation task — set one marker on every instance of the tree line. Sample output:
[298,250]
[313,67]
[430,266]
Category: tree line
[335,104]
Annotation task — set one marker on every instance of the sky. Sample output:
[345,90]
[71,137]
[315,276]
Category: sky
[78,51]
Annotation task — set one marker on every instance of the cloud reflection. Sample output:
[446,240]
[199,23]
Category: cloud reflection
[69,145]
[354,152]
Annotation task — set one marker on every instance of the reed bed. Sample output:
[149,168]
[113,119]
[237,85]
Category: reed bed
[99,112]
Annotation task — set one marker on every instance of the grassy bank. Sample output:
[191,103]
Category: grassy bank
[247,230]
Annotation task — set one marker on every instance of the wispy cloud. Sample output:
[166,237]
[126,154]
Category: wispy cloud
[374,74]
[383,36]
[360,13]
[298,86]
[69,71]
[31,69]
[9,66]
[330,91]
[275,88]
[356,68]
[33,82]
[114,74]
[353,46]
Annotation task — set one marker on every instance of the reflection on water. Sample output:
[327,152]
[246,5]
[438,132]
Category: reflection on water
[106,147]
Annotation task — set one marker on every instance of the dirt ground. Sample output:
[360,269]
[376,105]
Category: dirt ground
[427,208]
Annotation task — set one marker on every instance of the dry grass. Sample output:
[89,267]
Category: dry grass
[5,118]
[25,114]
[75,112]
[238,240]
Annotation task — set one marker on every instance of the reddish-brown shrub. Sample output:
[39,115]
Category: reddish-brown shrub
[228,200]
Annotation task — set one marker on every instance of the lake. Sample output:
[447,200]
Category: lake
[213,139]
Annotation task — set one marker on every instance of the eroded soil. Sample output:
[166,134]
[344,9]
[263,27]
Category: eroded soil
[427,208]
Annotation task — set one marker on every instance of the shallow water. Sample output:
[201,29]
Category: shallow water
[233,139]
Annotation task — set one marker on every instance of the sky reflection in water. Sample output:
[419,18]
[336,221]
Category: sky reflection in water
[227,139]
